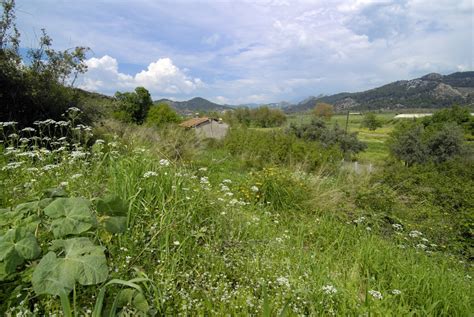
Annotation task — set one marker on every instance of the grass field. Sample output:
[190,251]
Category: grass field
[213,236]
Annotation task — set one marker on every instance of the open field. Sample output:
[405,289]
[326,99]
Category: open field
[215,235]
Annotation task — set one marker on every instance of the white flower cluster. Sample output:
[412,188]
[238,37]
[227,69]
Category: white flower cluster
[283,281]
[164,162]
[397,226]
[329,289]
[376,294]
[415,234]
[150,174]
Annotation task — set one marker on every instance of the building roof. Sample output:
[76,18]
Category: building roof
[194,122]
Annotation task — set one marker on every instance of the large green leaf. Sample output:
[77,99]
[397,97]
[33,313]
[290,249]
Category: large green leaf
[115,224]
[114,211]
[16,246]
[112,205]
[83,262]
[71,216]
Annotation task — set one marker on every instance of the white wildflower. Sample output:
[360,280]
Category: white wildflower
[28,129]
[376,294]
[176,243]
[63,184]
[329,289]
[415,234]
[360,220]
[397,226]
[204,180]
[164,162]
[254,188]
[12,166]
[203,169]
[421,246]
[227,181]
[99,141]
[75,176]
[224,188]
[396,292]
[283,281]
[150,174]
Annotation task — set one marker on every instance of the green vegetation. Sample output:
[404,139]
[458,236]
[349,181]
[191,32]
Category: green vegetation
[371,122]
[262,117]
[323,110]
[131,219]
[161,114]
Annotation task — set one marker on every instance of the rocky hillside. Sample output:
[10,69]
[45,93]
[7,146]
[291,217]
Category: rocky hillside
[194,105]
[430,91]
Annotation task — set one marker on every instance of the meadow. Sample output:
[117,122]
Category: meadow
[118,219]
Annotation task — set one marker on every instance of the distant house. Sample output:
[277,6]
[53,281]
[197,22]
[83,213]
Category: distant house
[207,127]
[412,115]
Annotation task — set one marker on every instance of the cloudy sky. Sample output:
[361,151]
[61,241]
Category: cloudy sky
[255,51]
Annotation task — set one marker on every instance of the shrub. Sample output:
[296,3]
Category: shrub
[133,106]
[371,122]
[323,110]
[262,117]
[161,114]
[328,137]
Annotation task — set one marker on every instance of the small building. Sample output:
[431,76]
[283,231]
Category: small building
[412,115]
[207,127]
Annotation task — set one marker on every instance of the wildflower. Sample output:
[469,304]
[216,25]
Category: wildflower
[75,176]
[73,109]
[203,169]
[63,184]
[176,243]
[9,123]
[204,180]
[254,188]
[424,240]
[421,246]
[28,129]
[415,234]
[164,162]
[397,226]
[376,294]
[396,292]
[149,174]
[329,289]
[283,281]
[224,188]
[99,141]
[11,166]
[32,169]
[360,220]
[13,136]
[49,167]
[78,154]
[368,228]
[227,181]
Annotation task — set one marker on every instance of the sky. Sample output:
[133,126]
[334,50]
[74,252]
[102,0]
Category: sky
[258,51]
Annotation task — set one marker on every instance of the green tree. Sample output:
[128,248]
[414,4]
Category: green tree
[444,142]
[371,122]
[133,106]
[323,110]
[161,114]
[406,143]
[38,87]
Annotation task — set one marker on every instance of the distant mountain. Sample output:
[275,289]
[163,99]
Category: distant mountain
[430,91]
[194,105]
[279,105]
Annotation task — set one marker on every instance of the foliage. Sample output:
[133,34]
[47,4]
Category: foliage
[437,139]
[371,122]
[328,137]
[262,117]
[323,110]
[161,114]
[133,106]
[35,88]
[264,148]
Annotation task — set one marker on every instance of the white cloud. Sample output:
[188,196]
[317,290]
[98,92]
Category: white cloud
[160,77]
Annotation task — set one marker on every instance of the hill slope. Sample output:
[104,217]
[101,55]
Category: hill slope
[194,105]
[430,91]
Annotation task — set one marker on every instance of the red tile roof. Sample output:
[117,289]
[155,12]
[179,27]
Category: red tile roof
[194,122]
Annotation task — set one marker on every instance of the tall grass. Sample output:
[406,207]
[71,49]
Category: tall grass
[214,238]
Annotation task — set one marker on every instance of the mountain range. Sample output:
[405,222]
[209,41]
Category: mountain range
[430,91]
[194,105]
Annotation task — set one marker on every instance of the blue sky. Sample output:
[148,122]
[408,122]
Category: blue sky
[257,51]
